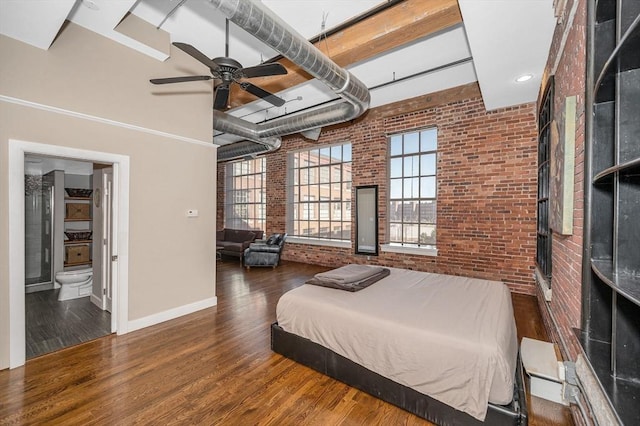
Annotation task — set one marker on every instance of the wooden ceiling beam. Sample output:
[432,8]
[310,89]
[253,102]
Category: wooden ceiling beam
[395,26]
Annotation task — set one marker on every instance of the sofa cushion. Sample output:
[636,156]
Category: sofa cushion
[231,246]
[273,239]
[239,236]
[265,248]
[220,235]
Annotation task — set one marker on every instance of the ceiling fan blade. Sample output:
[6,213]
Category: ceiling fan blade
[261,93]
[264,70]
[222,97]
[195,53]
[180,79]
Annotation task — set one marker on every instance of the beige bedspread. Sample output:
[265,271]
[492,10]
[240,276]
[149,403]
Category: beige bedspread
[452,338]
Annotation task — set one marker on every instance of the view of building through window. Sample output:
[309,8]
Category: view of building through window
[412,188]
[245,195]
[319,193]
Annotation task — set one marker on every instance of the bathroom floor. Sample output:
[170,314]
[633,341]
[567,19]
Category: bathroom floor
[53,325]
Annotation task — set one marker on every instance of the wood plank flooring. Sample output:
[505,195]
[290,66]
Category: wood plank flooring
[212,367]
[52,325]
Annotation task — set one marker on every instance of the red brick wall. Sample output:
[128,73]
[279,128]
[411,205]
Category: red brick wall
[570,73]
[486,185]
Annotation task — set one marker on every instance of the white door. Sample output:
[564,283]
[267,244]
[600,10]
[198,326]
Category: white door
[107,234]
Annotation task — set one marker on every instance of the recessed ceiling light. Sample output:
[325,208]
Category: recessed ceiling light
[524,77]
[91,4]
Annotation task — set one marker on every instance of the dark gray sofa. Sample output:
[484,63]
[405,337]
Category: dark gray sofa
[265,253]
[235,241]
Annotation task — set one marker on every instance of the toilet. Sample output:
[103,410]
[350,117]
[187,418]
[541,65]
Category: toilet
[74,284]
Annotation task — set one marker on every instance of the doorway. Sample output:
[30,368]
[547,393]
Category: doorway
[64,232]
[119,269]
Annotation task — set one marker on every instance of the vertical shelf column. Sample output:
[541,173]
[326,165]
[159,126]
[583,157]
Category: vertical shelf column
[611,325]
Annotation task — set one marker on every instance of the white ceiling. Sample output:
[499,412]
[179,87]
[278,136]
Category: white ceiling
[508,44]
[499,41]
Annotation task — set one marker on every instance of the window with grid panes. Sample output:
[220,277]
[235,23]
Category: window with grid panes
[245,201]
[543,232]
[412,188]
[319,193]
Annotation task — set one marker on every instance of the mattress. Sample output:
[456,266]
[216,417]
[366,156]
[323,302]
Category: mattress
[452,338]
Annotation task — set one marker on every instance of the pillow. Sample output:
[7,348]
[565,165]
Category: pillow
[273,239]
[220,235]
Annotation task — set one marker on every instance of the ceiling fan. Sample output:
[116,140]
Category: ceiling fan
[229,71]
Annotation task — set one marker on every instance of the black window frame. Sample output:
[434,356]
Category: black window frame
[544,235]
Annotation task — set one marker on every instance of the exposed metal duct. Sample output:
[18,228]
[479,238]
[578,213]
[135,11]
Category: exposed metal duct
[260,22]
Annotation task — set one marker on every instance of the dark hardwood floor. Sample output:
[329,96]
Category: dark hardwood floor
[52,325]
[211,367]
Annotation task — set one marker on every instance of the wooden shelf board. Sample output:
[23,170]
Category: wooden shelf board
[77,263]
[71,242]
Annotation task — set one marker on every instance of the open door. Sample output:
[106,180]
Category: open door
[103,230]
[108,240]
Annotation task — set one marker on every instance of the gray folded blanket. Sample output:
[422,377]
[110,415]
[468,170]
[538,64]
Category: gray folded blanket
[351,286]
[349,273]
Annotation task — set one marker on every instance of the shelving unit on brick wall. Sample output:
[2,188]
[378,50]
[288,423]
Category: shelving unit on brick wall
[610,333]
[78,218]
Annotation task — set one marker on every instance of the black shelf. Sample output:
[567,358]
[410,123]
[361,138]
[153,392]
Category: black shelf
[622,394]
[630,168]
[610,335]
[625,284]
[613,57]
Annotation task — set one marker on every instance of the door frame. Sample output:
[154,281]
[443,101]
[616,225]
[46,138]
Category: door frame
[106,264]
[17,322]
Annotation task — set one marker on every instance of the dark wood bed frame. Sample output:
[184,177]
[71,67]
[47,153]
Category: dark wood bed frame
[327,362]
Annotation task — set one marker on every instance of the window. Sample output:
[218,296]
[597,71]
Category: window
[324,208]
[336,209]
[319,193]
[412,188]
[308,207]
[244,200]
[543,233]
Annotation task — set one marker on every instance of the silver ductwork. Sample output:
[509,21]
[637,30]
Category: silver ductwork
[260,22]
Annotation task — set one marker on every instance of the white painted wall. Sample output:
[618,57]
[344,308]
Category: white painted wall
[87,93]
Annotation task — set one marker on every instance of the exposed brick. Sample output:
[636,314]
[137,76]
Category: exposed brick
[566,281]
[486,187]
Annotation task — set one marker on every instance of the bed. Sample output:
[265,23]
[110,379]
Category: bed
[441,347]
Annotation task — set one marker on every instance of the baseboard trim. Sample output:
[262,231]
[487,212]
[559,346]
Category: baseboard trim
[170,314]
[96,300]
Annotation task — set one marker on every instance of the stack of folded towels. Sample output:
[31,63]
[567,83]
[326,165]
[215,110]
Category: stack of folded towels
[350,277]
